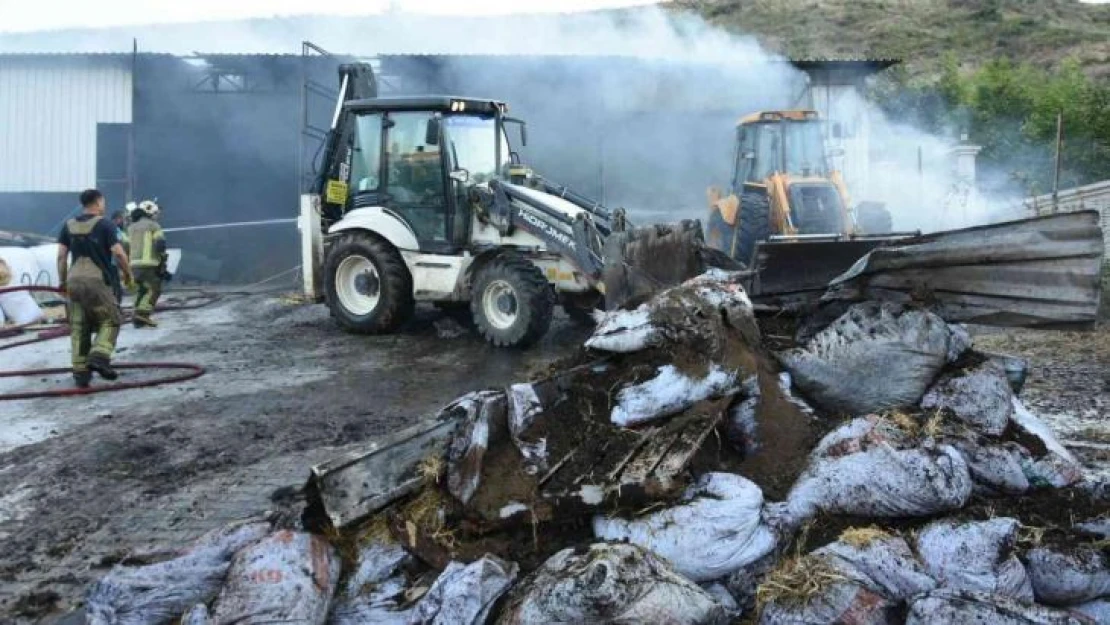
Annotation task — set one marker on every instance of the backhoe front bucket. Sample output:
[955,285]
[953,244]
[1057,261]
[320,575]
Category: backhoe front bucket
[794,267]
[642,261]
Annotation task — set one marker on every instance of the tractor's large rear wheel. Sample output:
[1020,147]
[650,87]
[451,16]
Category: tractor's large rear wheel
[512,302]
[755,225]
[369,288]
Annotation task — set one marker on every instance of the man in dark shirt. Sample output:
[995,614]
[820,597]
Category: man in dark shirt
[90,284]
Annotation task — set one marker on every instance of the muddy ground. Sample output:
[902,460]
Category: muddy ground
[1068,385]
[87,481]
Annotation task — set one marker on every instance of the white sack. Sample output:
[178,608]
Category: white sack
[980,397]
[1068,578]
[873,357]
[287,577]
[996,468]
[160,592]
[46,257]
[841,603]
[668,393]
[610,584]
[716,532]
[624,331]
[976,556]
[374,592]
[464,594]
[946,606]
[1097,610]
[885,566]
[881,481]
[22,264]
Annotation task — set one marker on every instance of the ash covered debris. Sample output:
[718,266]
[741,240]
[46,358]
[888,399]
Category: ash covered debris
[670,472]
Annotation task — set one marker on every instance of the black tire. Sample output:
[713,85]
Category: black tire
[522,313]
[395,302]
[874,218]
[755,225]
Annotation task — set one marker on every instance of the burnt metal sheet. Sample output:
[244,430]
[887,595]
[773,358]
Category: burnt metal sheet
[803,265]
[1043,271]
[361,482]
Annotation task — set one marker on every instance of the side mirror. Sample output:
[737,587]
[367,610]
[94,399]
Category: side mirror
[431,132]
[523,129]
[460,175]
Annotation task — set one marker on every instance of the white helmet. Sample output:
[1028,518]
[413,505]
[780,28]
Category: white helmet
[150,208]
[131,207]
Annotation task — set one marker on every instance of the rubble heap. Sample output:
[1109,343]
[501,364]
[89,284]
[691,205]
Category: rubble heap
[675,471]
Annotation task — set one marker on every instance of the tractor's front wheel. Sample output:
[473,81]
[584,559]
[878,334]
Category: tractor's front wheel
[369,288]
[512,302]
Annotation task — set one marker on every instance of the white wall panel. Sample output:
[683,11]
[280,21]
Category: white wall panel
[49,109]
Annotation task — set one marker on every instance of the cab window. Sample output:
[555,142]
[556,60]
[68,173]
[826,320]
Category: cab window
[414,184]
[366,166]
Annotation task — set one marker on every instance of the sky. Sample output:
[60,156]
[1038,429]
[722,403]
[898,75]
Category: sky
[25,16]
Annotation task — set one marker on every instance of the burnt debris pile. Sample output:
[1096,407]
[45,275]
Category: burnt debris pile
[677,470]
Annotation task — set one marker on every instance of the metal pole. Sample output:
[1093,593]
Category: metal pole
[234,224]
[132,159]
[1059,158]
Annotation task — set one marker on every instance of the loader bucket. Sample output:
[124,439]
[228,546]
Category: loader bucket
[794,267]
[642,261]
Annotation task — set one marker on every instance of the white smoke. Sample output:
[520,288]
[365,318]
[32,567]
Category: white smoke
[600,84]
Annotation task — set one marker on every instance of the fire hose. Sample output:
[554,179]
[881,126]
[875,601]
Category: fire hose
[191,371]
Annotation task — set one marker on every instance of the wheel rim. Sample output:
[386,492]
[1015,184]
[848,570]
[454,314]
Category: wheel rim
[358,285]
[499,304]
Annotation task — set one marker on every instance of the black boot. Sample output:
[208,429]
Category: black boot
[101,366]
[82,378]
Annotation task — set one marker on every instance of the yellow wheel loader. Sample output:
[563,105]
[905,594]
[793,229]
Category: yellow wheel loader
[787,212]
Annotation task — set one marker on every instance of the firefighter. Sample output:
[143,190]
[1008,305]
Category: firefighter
[120,221]
[148,257]
[94,311]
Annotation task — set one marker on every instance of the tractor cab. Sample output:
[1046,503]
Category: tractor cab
[418,158]
[784,153]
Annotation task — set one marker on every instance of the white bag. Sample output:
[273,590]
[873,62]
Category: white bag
[975,556]
[858,470]
[46,257]
[160,592]
[948,606]
[610,584]
[980,397]
[884,565]
[464,594]
[875,356]
[1068,578]
[668,393]
[718,529]
[286,577]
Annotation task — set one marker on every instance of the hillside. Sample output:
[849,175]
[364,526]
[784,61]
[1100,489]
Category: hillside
[923,31]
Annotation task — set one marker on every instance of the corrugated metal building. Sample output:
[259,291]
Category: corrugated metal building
[1087,197]
[64,125]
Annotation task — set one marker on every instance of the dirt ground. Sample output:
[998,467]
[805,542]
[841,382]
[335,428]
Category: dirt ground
[88,481]
[1068,385]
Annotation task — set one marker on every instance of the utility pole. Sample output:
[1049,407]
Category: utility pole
[1059,158]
